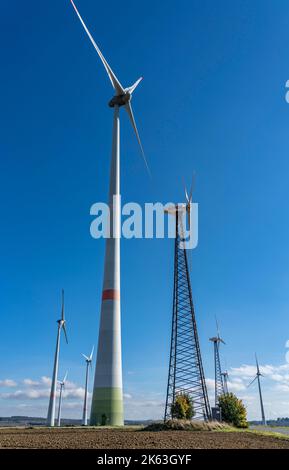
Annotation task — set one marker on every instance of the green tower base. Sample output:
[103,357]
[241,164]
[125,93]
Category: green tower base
[107,407]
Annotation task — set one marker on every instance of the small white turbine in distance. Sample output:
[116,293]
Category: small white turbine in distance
[52,399]
[225,376]
[62,386]
[88,360]
[257,377]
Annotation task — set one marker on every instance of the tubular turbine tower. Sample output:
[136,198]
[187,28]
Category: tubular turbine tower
[52,400]
[225,376]
[62,386]
[107,399]
[186,374]
[88,361]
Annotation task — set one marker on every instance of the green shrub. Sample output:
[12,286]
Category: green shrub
[186,425]
[233,410]
[183,407]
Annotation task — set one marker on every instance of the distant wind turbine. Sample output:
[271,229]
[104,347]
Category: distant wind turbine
[257,376]
[52,400]
[88,360]
[225,376]
[219,385]
[107,399]
[62,385]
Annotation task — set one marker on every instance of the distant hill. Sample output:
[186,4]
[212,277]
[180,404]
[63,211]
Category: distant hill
[273,422]
[36,421]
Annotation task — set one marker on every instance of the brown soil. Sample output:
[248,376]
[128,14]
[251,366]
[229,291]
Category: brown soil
[77,438]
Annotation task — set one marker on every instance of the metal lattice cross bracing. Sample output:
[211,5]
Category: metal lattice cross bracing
[219,384]
[186,373]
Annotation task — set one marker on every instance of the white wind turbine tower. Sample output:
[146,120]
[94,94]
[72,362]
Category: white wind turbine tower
[62,386]
[88,360]
[107,399]
[257,376]
[52,400]
[225,376]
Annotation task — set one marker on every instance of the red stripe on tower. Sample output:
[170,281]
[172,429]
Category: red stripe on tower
[111,294]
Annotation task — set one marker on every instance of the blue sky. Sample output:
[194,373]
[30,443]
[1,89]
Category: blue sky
[212,100]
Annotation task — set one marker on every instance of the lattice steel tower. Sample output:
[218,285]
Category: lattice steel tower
[186,372]
[219,384]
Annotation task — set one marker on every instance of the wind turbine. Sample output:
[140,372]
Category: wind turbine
[88,360]
[219,386]
[186,373]
[257,376]
[52,399]
[62,385]
[107,399]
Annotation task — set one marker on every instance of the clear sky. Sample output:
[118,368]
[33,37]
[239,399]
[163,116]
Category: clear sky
[212,100]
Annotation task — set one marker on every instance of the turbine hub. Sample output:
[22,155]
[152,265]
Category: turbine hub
[119,100]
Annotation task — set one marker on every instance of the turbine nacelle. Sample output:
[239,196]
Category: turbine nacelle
[62,382]
[88,359]
[122,99]
[217,339]
[119,100]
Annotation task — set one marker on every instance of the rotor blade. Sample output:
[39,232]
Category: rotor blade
[64,330]
[132,120]
[188,206]
[186,194]
[192,187]
[217,324]
[114,81]
[131,89]
[85,357]
[65,377]
[252,381]
[257,364]
[62,307]
[221,340]
[91,354]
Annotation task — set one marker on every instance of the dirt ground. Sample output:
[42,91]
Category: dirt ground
[79,438]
